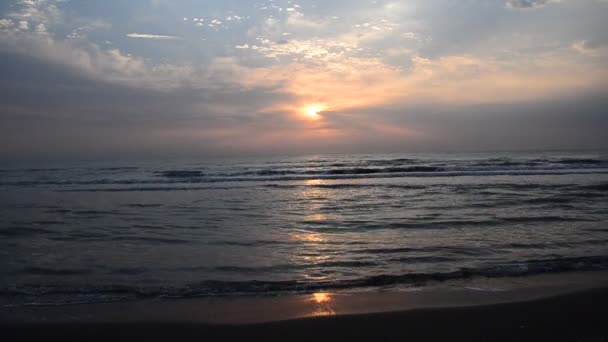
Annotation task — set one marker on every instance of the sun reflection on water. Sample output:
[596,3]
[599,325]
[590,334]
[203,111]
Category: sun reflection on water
[305,236]
[323,302]
[315,247]
[321,297]
[311,182]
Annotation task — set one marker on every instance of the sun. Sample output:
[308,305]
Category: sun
[312,111]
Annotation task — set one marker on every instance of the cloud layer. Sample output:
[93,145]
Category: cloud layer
[526,3]
[149,77]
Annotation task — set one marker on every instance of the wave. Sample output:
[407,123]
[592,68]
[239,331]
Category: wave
[212,180]
[254,243]
[143,205]
[577,161]
[539,162]
[353,165]
[150,239]
[365,171]
[119,168]
[517,219]
[595,187]
[130,270]
[261,287]
[180,173]
[42,170]
[331,226]
[443,250]
[422,259]
[150,188]
[22,231]
[342,170]
[478,251]
[305,170]
[291,267]
[47,271]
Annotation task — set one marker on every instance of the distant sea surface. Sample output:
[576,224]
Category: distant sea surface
[92,232]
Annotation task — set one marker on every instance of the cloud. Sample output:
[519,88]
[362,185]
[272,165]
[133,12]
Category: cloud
[113,120]
[6,24]
[299,20]
[524,4]
[590,47]
[105,64]
[311,49]
[38,12]
[343,82]
[308,68]
[24,25]
[30,14]
[152,36]
[242,89]
[68,113]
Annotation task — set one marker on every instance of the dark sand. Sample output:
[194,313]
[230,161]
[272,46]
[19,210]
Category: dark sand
[572,317]
[519,314]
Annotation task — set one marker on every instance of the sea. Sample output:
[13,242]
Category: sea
[112,231]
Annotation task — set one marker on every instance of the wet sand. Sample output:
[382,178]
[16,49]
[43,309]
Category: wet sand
[572,317]
[551,311]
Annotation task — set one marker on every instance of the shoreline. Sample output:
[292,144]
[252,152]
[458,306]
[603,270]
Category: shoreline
[578,316]
[239,310]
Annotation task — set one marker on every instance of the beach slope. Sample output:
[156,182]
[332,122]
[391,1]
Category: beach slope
[581,316]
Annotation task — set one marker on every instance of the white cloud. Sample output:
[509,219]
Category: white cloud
[42,29]
[89,26]
[152,36]
[6,24]
[38,15]
[24,25]
[38,11]
[311,49]
[299,20]
[409,35]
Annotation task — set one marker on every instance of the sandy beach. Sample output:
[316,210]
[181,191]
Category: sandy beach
[572,317]
[555,309]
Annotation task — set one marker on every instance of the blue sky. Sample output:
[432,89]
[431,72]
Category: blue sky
[159,77]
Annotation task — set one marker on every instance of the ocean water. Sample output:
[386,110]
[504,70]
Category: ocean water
[92,232]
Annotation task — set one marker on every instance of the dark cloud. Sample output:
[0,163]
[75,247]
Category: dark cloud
[49,112]
[571,122]
[526,3]
[593,44]
[52,111]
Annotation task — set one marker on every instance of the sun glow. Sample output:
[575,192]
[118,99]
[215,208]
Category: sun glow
[313,111]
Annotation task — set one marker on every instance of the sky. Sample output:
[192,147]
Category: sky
[159,78]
